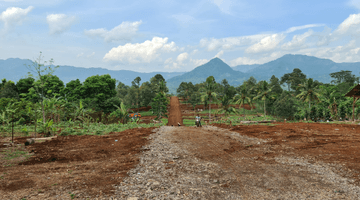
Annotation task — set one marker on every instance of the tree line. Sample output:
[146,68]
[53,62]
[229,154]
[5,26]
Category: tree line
[44,98]
[304,97]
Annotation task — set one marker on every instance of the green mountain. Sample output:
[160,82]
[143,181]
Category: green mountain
[313,67]
[215,67]
[245,68]
[317,68]
[14,69]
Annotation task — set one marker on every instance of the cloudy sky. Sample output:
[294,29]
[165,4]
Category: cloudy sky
[148,35]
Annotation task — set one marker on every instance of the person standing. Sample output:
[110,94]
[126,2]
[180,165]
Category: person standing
[198,120]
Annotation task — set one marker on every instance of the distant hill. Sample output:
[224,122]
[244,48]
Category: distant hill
[317,68]
[245,68]
[215,67]
[313,67]
[15,69]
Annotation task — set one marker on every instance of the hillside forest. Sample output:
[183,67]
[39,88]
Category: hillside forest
[45,99]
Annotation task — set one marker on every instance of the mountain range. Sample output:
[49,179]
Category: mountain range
[317,68]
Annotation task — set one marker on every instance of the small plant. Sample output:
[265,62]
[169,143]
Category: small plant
[25,131]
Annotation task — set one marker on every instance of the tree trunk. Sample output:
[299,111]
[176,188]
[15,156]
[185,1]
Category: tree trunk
[43,111]
[244,110]
[210,111]
[309,109]
[12,128]
[265,109]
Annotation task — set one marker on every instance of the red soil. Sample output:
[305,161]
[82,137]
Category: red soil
[90,164]
[175,115]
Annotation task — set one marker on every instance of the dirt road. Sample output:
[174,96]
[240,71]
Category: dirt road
[175,116]
[215,163]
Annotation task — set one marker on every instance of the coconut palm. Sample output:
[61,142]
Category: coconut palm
[244,96]
[308,93]
[209,93]
[264,92]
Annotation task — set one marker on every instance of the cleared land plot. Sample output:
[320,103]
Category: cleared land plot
[72,165]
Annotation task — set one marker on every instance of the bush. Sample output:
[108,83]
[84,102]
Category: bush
[284,106]
[21,121]
[321,113]
[327,114]
[342,112]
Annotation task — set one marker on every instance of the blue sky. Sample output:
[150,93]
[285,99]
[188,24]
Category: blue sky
[148,36]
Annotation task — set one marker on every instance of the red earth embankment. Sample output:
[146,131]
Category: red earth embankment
[175,115]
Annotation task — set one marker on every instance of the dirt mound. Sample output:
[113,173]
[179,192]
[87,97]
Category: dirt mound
[88,164]
[175,115]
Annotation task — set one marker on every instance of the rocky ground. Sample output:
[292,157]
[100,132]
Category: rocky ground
[214,163]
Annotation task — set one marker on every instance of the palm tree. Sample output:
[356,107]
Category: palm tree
[308,92]
[244,96]
[264,92]
[209,93]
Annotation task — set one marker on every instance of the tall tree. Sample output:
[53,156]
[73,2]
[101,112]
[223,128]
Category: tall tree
[343,76]
[293,79]
[42,76]
[275,84]
[73,91]
[97,89]
[136,84]
[23,85]
[209,92]
[308,91]
[244,97]
[8,90]
[159,104]
[264,92]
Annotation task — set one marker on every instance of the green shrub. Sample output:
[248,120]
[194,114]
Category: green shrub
[21,121]
[342,112]
[321,112]
[327,114]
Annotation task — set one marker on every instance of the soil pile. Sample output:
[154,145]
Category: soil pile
[175,115]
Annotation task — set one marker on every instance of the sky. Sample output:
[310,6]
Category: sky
[177,36]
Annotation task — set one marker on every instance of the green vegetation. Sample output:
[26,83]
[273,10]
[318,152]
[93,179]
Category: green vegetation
[44,104]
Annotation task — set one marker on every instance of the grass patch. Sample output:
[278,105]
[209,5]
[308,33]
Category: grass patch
[13,155]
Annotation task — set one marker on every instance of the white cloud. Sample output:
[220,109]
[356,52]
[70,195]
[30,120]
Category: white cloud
[298,41]
[251,61]
[354,3]
[198,62]
[219,54]
[59,23]
[123,32]
[14,15]
[349,25]
[224,5]
[194,51]
[182,57]
[140,52]
[79,55]
[91,55]
[230,42]
[296,28]
[243,61]
[266,44]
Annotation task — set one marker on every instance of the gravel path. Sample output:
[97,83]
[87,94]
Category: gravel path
[171,169]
